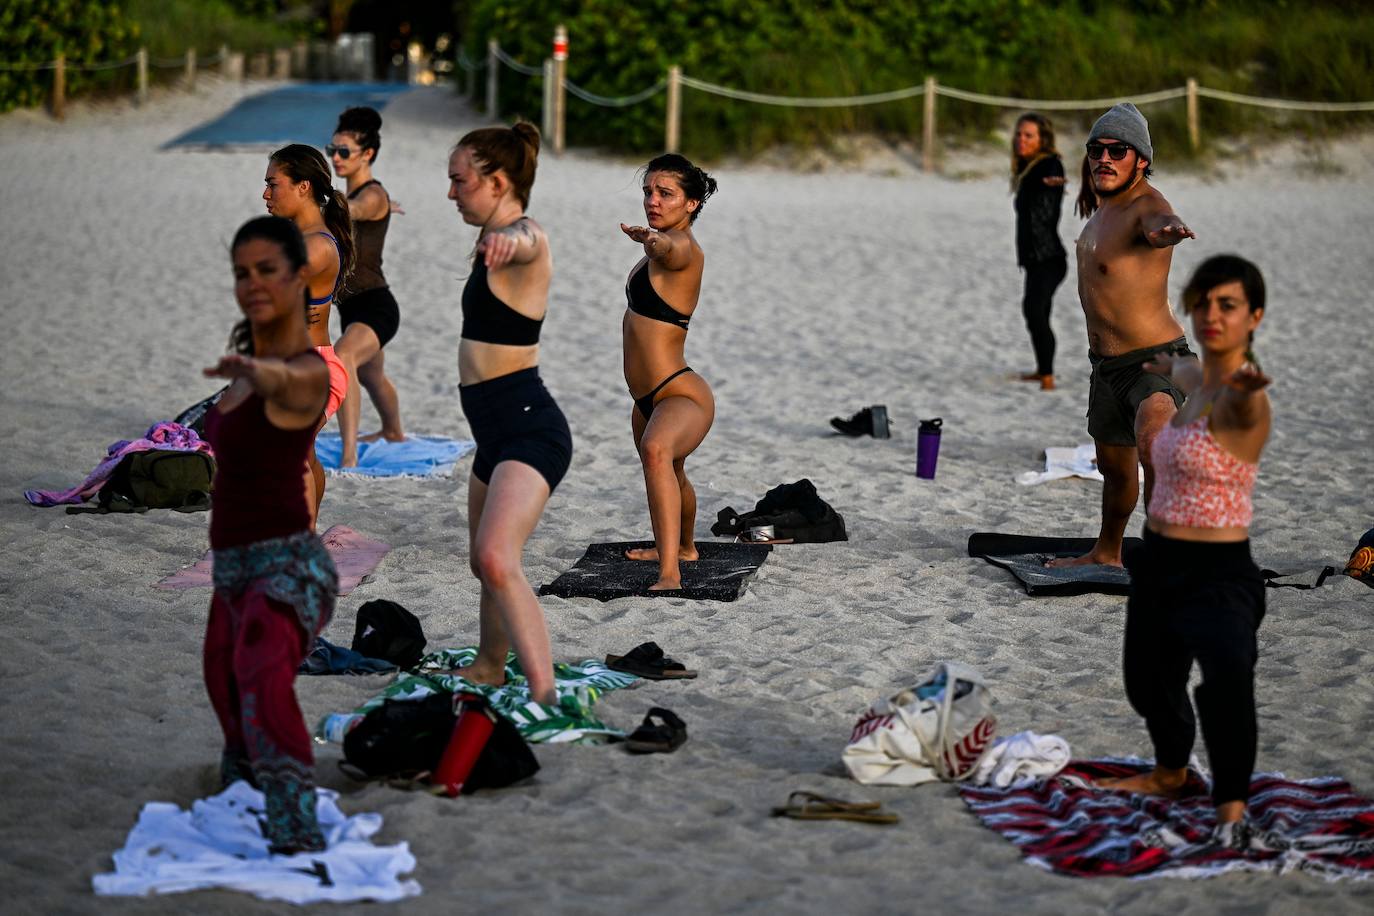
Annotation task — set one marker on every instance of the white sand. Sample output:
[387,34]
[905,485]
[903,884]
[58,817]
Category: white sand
[823,293]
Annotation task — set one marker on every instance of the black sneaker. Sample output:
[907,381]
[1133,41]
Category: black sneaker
[871,421]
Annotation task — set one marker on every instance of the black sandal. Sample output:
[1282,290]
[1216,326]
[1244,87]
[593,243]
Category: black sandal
[664,736]
[648,661]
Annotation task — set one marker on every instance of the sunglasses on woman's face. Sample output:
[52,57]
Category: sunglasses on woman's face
[1117,151]
[344,152]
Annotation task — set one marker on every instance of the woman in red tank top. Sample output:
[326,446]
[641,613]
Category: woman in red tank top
[274,582]
[1196,595]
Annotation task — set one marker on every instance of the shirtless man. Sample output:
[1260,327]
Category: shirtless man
[1124,253]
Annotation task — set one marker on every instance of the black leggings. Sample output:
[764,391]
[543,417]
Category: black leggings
[1200,602]
[1042,279]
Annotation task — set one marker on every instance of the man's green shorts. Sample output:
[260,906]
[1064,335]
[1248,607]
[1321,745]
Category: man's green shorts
[1118,385]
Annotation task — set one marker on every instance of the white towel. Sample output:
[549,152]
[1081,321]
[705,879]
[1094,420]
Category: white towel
[1063,462]
[1020,759]
[219,844]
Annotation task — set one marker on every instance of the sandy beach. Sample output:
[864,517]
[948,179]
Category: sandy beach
[824,292]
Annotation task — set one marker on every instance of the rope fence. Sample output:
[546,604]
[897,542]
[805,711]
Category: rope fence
[556,84]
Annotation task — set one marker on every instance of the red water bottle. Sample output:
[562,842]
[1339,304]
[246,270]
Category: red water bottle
[470,733]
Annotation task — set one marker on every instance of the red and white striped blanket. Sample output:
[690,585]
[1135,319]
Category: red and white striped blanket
[1067,825]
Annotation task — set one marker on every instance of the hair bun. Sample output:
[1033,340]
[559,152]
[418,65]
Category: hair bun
[360,120]
[527,132]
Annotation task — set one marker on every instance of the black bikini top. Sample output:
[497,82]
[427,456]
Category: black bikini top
[487,319]
[644,300]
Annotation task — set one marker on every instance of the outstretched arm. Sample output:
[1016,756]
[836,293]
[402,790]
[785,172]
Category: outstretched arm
[1185,371]
[671,250]
[372,204]
[1161,226]
[1244,396]
[517,243]
[297,386]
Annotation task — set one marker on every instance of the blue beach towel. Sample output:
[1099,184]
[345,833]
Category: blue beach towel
[417,456]
[300,113]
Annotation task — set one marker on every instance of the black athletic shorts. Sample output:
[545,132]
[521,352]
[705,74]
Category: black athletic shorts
[375,308]
[514,418]
[1118,385]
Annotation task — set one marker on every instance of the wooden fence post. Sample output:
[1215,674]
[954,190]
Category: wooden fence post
[1194,133]
[223,61]
[59,88]
[928,127]
[281,63]
[142,63]
[674,112]
[493,76]
[560,97]
[190,76]
[546,123]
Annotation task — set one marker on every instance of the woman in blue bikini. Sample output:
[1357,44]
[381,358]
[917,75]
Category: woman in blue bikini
[674,407]
[299,187]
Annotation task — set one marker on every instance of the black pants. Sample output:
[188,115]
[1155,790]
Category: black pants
[1198,602]
[1042,279]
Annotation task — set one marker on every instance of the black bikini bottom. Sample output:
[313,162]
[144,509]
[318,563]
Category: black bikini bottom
[645,405]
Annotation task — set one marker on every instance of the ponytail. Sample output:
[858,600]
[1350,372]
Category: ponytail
[340,224]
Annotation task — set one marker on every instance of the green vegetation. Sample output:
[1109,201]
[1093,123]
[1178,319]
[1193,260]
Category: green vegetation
[1316,50]
[104,31]
[34,32]
[168,27]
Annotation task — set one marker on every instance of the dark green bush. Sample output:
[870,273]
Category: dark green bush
[1018,48]
[36,31]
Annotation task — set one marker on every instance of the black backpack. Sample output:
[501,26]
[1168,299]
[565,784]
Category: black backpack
[406,738]
[795,511]
[157,479]
[388,631]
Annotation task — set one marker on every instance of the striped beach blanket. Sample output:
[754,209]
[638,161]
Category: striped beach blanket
[1066,825]
[579,686]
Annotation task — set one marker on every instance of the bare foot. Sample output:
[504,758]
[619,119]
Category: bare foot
[667,584]
[1088,559]
[651,553]
[383,434]
[349,461]
[481,675]
[1165,783]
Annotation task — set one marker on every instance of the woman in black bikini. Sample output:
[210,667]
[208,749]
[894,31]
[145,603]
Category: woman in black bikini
[673,405]
[367,310]
[299,188]
[523,443]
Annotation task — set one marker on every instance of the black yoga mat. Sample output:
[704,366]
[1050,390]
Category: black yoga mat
[604,573]
[1024,557]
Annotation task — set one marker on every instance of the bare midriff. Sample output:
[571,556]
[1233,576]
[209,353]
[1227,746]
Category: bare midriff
[479,361]
[1189,533]
[654,350]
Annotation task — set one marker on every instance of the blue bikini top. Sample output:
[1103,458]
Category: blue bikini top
[487,319]
[644,300]
[338,278]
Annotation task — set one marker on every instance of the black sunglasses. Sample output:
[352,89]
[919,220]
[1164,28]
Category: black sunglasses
[1117,151]
[342,152]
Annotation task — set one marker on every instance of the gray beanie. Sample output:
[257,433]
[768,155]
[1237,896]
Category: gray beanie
[1124,122]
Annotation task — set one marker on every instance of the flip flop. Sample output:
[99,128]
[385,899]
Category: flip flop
[648,661]
[816,807]
[664,736]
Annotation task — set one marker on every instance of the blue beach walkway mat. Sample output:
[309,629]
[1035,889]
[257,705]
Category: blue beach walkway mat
[299,113]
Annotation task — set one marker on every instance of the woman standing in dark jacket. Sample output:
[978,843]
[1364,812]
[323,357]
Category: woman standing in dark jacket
[1037,179]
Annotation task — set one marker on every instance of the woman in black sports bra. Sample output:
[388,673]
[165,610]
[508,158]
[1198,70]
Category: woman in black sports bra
[673,408]
[523,443]
[367,311]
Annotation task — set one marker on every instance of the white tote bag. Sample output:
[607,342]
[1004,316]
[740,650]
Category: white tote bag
[940,729]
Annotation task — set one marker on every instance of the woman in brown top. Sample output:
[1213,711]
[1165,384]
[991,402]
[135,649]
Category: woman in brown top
[367,310]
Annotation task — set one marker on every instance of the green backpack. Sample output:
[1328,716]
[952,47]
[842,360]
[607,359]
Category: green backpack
[158,479]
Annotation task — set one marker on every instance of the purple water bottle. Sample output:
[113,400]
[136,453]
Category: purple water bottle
[928,448]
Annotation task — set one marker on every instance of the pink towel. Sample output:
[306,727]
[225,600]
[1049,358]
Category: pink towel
[354,556]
